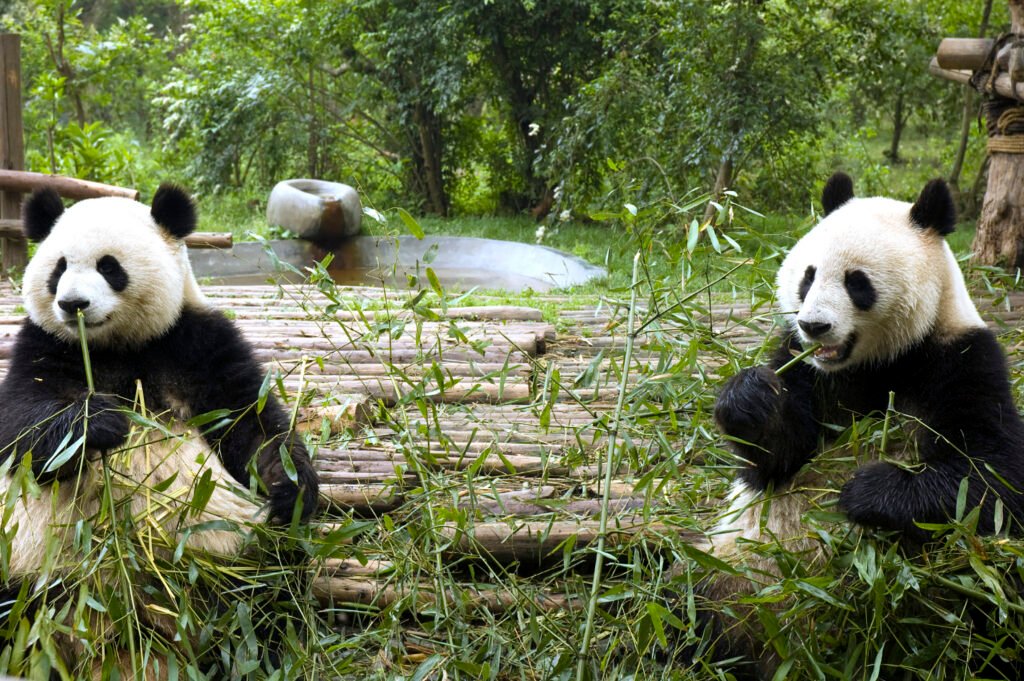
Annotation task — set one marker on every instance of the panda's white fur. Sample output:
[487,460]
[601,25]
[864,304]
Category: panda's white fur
[920,287]
[910,331]
[163,282]
[151,457]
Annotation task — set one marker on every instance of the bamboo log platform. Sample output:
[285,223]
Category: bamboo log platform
[497,409]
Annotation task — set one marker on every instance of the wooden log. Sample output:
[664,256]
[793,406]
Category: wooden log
[538,540]
[367,590]
[1002,85]
[23,182]
[12,229]
[576,507]
[963,53]
[13,252]
[354,410]
[343,469]
[209,240]
[363,499]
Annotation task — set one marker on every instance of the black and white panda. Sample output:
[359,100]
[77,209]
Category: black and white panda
[877,290]
[157,349]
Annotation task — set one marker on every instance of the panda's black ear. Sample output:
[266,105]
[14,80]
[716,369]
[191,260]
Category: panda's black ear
[40,213]
[174,210]
[934,208]
[838,190]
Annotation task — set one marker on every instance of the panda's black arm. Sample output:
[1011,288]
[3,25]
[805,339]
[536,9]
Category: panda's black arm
[223,374]
[770,418]
[970,430]
[45,402]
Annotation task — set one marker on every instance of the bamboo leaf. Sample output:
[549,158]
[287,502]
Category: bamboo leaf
[410,223]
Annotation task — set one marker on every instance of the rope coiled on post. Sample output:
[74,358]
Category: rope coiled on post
[1005,123]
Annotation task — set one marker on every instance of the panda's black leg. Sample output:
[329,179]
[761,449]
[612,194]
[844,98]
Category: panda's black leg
[890,498]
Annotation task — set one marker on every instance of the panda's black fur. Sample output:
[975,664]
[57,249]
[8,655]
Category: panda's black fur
[944,368]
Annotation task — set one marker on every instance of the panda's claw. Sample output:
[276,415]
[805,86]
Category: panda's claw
[285,494]
[107,428]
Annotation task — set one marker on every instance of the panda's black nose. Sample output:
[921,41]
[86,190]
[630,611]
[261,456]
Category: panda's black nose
[73,305]
[815,329]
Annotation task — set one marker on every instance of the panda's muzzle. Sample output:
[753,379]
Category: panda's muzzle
[827,353]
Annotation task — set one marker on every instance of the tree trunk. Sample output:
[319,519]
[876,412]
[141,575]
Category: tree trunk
[965,126]
[735,81]
[999,239]
[899,121]
[428,128]
[722,180]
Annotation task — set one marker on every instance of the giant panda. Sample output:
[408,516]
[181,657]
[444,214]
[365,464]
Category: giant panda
[875,292]
[159,356]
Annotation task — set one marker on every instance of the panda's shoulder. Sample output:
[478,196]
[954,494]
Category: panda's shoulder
[203,330]
[33,343]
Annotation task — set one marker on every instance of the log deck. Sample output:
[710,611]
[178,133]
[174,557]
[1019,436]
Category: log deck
[521,469]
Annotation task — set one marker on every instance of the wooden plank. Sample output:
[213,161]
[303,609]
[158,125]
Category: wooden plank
[380,592]
[542,540]
[13,252]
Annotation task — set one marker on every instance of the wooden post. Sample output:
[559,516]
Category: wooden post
[1000,235]
[13,252]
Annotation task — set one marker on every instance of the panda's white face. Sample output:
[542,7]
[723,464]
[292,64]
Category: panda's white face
[867,284]
[108,259]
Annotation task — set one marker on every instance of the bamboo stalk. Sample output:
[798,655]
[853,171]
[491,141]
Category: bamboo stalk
[602,536]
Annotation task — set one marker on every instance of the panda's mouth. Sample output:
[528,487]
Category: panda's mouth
[73,323]
[835,354]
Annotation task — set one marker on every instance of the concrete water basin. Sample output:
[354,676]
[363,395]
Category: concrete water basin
[460,263]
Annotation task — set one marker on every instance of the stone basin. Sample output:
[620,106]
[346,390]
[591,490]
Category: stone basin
[460,263]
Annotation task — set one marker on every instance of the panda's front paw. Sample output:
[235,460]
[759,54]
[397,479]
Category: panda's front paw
[107,426]
[285,494]
[879,495]
[750,401]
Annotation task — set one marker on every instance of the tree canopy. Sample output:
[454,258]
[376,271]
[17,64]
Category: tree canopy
[478,107]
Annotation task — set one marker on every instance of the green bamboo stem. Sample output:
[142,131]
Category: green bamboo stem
[796,360]
[85,353]
[602,532]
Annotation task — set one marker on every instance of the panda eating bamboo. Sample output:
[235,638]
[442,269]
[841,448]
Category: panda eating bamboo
[875,294]
[159,354]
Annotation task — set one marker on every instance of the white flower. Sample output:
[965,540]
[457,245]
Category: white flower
[565,215]
[558,192]
[534,129]
[539,234]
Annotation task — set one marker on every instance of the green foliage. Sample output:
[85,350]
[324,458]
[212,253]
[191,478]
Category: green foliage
[485,107]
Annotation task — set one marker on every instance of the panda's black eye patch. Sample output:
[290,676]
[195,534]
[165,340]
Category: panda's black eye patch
[805,283]
[58,271]
[861,291]
[112,271]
